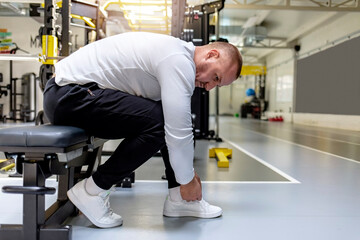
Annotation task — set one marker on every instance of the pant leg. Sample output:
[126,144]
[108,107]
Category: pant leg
[110,114]
[169,172]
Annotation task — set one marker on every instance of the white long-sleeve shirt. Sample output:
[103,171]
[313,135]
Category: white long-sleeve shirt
[154,66]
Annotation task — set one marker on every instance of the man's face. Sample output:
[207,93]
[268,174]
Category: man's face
[214,70]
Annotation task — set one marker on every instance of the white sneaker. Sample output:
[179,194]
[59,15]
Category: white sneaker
[200,209]
[95,208]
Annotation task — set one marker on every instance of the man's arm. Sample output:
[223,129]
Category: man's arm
[176,76]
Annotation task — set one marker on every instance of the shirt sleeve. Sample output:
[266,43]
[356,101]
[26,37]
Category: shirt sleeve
[176,76]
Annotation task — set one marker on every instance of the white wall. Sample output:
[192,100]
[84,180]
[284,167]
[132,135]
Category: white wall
[280,81]
[281,63]
[23,29]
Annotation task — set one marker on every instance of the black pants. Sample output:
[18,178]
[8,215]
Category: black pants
[112,114]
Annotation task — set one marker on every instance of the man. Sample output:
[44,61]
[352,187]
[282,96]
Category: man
[138,86]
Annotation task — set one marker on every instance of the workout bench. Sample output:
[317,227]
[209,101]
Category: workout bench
[43,151]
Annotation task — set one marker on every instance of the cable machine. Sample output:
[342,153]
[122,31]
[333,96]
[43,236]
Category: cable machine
[193,26]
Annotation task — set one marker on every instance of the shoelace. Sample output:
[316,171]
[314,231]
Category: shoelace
[106,199]
[204,203]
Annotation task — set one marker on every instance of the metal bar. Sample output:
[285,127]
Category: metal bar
[98,26]
[33,205]
[160,25]
[23,1]
[342,3]
[19,57]
[49,17]
[83,9]
[14,92]
[299,8]
[35,95]
[66,183]
[217,95]
[166,15]
[318,3]
[255,2]
[65,32]
[296,58]
[11,89]
[265,47]
[59,212]
[138,4]
[82,26]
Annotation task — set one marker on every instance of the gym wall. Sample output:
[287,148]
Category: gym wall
[329,82]
[22,29]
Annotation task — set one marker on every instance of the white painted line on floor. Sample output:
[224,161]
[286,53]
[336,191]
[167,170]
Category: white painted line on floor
[224,182]
[278,171]
[316,136]
[250,182]
[306,147]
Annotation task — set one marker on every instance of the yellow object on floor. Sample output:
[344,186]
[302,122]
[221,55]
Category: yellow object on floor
[222,155]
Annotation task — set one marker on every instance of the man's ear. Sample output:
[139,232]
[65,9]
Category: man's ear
[213,53]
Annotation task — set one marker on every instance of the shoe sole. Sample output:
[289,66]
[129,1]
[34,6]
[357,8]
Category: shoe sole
[191,214]
[75,200]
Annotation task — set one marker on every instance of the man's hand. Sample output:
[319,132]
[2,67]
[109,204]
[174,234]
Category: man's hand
[192,191]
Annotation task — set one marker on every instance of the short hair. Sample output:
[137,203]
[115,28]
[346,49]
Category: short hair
[231,51]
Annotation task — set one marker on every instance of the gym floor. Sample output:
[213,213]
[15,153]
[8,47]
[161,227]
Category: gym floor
[284,182]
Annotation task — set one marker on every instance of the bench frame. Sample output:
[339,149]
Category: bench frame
[39,163]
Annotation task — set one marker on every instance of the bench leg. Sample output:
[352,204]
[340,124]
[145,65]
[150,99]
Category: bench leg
[38,224]
[33,204]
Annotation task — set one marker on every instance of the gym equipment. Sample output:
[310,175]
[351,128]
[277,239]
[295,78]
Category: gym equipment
[6,165]
[127,181]
[43,151]
[28,97]
[222,155]
[253,107]
[196,28]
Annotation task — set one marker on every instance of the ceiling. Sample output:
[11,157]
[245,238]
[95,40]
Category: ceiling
[280,25]
[283,27]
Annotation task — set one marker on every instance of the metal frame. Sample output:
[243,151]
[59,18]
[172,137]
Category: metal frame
[197,19]
[13,111]
[65,27]
[38,223]
[302,5]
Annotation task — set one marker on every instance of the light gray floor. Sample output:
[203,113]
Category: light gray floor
[317,195]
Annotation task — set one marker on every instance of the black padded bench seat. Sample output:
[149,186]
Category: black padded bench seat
[36,138]
[42,151]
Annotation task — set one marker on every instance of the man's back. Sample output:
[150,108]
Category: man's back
[126,62]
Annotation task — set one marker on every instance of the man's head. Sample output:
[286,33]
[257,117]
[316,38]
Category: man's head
[217,64]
